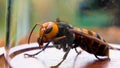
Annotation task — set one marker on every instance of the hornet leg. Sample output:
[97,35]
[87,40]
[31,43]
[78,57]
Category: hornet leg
[78,53]
[33,55]
[64,57]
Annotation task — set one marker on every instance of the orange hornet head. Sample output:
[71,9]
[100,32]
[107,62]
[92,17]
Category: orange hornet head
[47,32]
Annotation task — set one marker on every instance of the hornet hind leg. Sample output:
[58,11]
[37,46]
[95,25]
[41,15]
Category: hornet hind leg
[78,53]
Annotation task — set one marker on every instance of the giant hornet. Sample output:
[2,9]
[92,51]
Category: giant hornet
[64,36]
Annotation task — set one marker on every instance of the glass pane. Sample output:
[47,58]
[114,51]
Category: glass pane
[2,22]
[98,18]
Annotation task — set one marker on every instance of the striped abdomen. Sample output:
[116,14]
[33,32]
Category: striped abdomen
[91,42]
[91,33]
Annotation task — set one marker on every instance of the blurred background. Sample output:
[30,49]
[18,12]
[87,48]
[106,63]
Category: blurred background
[101,16]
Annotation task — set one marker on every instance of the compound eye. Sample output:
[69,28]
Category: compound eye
[48,30]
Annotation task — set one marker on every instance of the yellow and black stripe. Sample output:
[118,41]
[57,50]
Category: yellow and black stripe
[91,42]
[91,33]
